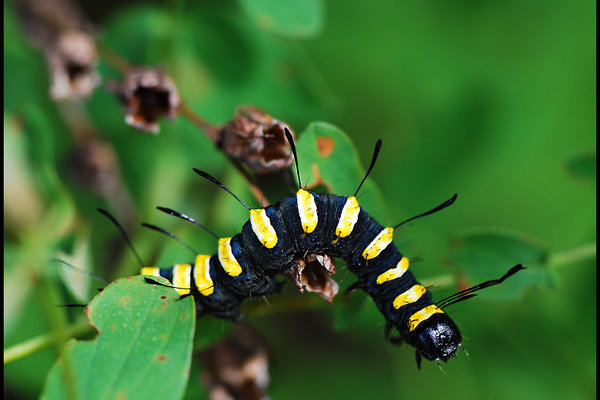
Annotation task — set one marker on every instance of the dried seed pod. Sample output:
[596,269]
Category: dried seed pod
[313,274]
[256,139]
[93,164]
[237,368]
[72,65]
[59,29]
[148,94]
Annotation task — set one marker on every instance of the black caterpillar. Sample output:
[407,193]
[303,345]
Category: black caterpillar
[320,224]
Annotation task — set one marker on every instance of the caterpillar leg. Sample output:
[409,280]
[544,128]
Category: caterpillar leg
[396,340]
[355,286]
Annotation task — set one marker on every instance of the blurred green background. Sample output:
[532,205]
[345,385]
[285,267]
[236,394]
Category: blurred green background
[492,100]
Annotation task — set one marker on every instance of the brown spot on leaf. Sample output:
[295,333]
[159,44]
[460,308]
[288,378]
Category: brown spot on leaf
[318,181]
[325,146]
[184,316]
[163,297]
[161,358]
[462,282]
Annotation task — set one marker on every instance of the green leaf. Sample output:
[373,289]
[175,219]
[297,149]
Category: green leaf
[140,32]
[143,350]
[583,166]
[328,158]
[291,18]
[488,253]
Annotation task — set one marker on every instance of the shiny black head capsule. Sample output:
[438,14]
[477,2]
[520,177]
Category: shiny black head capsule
[436,338]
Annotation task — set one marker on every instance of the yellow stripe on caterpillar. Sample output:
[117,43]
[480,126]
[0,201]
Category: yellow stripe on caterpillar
[422,315]
[307,209]
[394,273]
[348,217]
[152,271]
[181,278]
[379,244]
[204,283]
[410,296]
[261,225]
[227,259]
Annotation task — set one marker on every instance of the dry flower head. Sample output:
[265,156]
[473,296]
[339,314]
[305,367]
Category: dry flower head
[256,139]
[147,94]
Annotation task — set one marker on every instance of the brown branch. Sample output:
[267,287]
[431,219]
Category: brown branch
[212,131]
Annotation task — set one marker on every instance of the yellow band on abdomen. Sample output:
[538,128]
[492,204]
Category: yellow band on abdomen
[410,296]
[227,259]
[379,244]
[204,283]
[348,217]
[307,209]
[181,278]
[394,273]
[261,225]
[152,271]
[422,315]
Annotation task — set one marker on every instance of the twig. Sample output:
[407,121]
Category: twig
[211,130]
[41,342]
[113,59]
[587,251]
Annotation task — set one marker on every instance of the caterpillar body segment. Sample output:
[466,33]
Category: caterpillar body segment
[281,255]
[417,320]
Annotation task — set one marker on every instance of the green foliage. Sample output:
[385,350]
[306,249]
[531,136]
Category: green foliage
[145,332]
[329,160]
[291,18]
[484,253]
[487,100]
[583,166]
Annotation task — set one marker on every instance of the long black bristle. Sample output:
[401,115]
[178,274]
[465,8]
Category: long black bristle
[290,140]
[373,159]
[433,210]
[166,232]
[214,180]
[186,218]
[468,293]
[118,225]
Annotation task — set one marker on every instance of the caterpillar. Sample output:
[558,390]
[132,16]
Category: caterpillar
[308,223]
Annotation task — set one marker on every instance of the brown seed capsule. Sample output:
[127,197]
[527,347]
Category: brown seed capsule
[72,65]
[256,139]
[61,31]
[237,368]
[313,274]
[93,163]
[148,94]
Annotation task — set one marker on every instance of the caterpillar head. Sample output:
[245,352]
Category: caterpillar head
[436,338]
